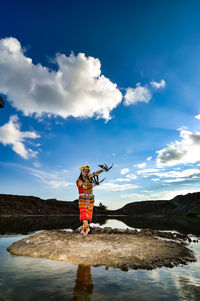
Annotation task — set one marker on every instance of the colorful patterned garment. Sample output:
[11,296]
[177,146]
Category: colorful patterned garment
[86,201]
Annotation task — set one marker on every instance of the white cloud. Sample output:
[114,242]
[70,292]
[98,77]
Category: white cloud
[149,158]
[176,180]
[158,85]
[54,179]
[139,94]
[147,171]
[10,134]
[36,164]
[127,178]
[141,165]
[120,180]
[124,171]
[179,174]
[185,151]
[161,195]
[131,176]
[197,116]
[168,194]
[57,184]
[76,89]
[110,186]
[137,196]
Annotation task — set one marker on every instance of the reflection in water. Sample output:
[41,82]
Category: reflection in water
[23,278]
[28,224]
[84,286]
[188,289]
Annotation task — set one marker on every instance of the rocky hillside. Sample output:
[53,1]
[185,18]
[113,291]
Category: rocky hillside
[182,204]
[29,205]
[147,207]
[187,204]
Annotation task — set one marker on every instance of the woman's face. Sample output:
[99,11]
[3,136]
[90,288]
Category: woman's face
[85,172]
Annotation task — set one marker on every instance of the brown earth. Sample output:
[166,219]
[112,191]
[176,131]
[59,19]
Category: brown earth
[117,248]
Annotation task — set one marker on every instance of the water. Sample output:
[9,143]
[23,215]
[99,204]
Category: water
[24,278]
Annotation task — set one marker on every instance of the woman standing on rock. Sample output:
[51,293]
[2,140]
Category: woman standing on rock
[85,184]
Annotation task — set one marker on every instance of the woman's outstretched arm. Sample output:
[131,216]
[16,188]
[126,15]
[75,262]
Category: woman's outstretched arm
[96,173]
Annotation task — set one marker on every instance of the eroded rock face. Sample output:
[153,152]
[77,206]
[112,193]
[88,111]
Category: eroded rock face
[117,248]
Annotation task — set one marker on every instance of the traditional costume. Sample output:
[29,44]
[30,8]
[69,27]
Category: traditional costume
[86,197]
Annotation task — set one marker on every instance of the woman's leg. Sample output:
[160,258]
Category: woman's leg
[85,227]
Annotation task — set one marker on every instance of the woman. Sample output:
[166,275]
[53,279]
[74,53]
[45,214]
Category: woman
[86,197]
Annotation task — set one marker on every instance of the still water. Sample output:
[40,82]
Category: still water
[23,278]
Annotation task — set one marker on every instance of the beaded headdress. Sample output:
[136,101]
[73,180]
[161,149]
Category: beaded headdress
[86,166]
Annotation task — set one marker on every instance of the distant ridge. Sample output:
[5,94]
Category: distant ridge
[181,204]
[188,204]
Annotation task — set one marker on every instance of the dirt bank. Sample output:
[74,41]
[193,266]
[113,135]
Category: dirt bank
[117,248]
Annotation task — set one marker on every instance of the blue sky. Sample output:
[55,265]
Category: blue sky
[100,82]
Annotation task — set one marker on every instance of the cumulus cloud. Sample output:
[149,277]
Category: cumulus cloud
[10,134]
[110,186]
[158,85]
[124,171]
[139,94]
[186,150]
[76,89]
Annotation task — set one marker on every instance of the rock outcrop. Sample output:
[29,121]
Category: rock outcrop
[117,248]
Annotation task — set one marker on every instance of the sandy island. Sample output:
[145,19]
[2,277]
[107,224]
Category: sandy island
[116,248]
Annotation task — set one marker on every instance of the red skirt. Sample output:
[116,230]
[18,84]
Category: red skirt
[86,204]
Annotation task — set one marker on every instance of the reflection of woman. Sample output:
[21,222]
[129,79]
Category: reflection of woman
[84,286]
[86,197]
